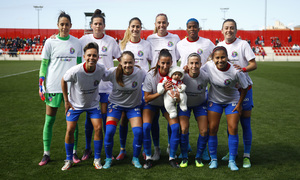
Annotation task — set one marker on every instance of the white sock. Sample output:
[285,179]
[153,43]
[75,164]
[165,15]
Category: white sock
[47,153]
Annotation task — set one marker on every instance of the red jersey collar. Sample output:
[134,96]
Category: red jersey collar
[228,66]
[164,35]
[161,74]
[86,69]
[98,38]
[231,42]
[135,42]
[192,41]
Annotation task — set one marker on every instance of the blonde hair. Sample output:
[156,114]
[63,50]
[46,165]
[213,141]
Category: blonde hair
[155,28]
[127,33]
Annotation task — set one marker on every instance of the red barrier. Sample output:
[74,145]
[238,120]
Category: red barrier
[210,34]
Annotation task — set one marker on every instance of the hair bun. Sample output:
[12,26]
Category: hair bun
[98,11]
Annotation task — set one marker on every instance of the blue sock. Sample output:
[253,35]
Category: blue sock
[212,146]
[247,133]
[147,138]
[88,132]
[184,144]
[169,133]
[109,139]
[174,140]
[98,148]
[155,130]
[123,130]
[69,151]
[104,116]
[137,141]
[233,143]
[201,145]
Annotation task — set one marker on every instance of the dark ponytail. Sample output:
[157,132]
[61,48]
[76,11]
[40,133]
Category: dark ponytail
[98,13]
[162,53]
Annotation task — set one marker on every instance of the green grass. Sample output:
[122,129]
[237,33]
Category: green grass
[275,150]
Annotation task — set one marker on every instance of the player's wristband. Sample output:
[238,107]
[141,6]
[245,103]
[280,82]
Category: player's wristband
[41,80]
[244,69]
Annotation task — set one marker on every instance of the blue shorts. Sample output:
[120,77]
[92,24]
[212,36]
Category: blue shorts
[248,101]
[155,108]
[200,110]
[73,115]
[116,111]
[211,106]
[104,97]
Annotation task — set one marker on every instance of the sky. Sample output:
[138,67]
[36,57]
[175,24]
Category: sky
[249,14]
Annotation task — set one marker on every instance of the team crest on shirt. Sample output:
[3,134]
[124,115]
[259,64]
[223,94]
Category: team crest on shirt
[96,83]
[104,49]
[200,87]
[134,84]
[140,53]
[170,44]
[199,51]
[72,50]
[227,82]
[234,54]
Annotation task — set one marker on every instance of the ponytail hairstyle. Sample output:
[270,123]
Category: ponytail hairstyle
[127,33]
[98,13]
[64,14]
[162,53]
[119,70]
[219,48]
[161,14]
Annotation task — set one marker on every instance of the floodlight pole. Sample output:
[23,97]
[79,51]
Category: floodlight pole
[203,21]
[224,10]
[38,8]
[265,14]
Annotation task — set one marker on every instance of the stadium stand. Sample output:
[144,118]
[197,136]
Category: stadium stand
[283,52]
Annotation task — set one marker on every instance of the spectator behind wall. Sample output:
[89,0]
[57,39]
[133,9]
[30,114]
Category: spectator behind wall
[296,47]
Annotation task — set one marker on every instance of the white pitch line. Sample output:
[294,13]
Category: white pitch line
[19,73]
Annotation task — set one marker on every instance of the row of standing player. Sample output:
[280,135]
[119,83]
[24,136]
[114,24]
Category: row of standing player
[161,39]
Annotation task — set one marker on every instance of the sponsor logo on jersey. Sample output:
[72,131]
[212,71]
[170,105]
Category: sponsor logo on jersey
[104,49]
[72,50]
[134,84]
[227,82]
[199,51]
[170,44]
[234,54]
[96,83]
[140,53]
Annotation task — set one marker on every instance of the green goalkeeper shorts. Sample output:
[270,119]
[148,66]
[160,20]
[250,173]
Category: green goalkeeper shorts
[53,99]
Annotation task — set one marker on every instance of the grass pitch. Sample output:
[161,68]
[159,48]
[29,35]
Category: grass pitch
[275,150]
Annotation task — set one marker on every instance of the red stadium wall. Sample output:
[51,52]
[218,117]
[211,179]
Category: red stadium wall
[210,34]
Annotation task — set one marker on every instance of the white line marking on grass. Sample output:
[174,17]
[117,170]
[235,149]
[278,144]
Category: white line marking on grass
[19,73]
